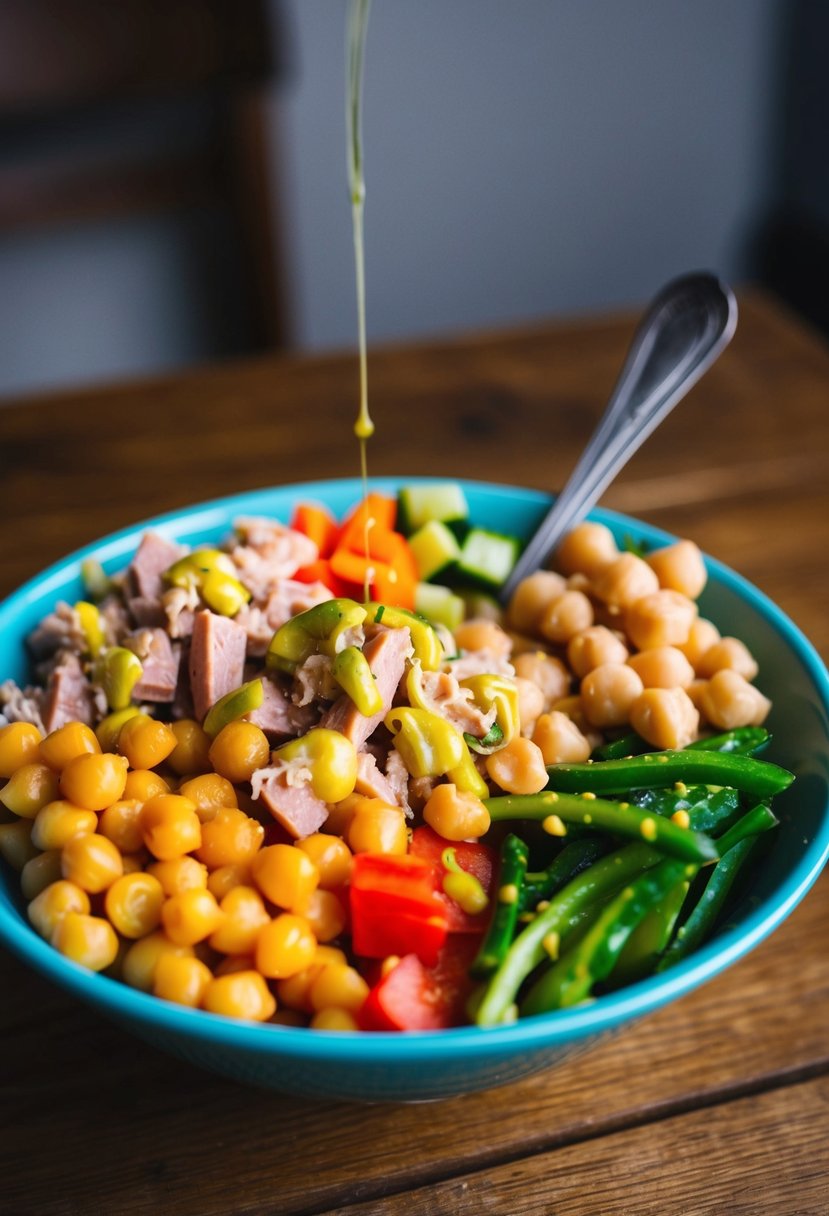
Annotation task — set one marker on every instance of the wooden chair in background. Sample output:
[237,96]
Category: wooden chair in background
[120,67]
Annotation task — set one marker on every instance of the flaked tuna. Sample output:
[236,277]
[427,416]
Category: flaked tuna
[268,553]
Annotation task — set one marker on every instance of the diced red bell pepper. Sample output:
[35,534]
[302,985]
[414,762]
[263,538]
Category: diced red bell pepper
[415,997]
[395,907]
[478,859]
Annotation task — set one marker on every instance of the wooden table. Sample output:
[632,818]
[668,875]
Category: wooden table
[718,1104]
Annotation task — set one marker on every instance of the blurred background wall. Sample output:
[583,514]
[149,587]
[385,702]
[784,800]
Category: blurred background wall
[523,160]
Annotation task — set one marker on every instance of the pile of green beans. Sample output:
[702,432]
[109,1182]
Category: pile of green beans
[647,848]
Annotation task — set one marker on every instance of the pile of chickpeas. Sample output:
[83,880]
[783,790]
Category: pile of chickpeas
[623,648]
[150,862]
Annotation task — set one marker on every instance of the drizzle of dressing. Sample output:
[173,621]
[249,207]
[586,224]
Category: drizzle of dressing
[356,41]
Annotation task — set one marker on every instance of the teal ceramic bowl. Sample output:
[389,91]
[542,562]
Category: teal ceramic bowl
[440,1064]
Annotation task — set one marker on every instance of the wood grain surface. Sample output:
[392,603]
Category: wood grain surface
[719,1103]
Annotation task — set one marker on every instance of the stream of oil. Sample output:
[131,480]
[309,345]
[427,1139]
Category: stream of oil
[355,50]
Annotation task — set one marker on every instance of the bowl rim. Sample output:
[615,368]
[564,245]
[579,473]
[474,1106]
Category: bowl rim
[542,1031]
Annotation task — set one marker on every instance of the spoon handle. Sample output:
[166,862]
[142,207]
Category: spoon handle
[686,327]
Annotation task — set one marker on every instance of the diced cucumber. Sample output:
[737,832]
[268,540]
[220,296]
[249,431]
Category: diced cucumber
[417,504]
[439,605]
[434,549]
[487,557]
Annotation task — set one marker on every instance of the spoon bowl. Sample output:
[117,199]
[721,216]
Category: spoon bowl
[684,330]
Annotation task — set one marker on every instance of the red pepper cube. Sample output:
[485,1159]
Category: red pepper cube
[477,859]
[395,907]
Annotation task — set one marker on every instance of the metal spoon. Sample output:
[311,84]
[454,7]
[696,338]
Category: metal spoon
[686,327]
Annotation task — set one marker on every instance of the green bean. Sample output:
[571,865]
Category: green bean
[618,817]
[565,910]
[497,939]
[629,745]
[701,921]
[573,858]
[757,778]
[648,941]
[710,811]
[572,977]
[758,819]
[744,740]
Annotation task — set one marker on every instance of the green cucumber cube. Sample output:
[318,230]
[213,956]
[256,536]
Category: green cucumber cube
[439,605]
[434,549]
[418,504]
[488,557]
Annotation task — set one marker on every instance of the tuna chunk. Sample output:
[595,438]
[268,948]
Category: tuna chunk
[69,696]
[153,556]
[261,621]
[269,552]
[444,696]
[295,807]
[386,654]
[277,716]
[160,661]
[59,630]
[217,659]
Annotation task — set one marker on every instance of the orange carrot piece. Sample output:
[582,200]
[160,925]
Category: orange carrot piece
[317,523]
[381,513]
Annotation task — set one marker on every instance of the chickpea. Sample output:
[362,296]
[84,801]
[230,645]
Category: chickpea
[729,701]
[238,750]
[662,667]
[531,597]
[377,827]
[588,548]
[560,740]
[695,690]
[569,614]
[666,717]
[701,637]
[624,580]
[480,634]
[679,567]
[663,618]
[549,673]
[457,814]
[728,653]
[518,768]
[608,692]
[530,703]
[594,646]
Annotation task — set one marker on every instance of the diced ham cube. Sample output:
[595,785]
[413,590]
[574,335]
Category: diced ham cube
[154,555]
[69,696]
[217,659]
[278,716]
[386,654]
[295,807]
[371,782]
[160,660]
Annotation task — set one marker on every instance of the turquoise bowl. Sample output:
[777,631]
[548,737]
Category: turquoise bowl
[429,1065]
